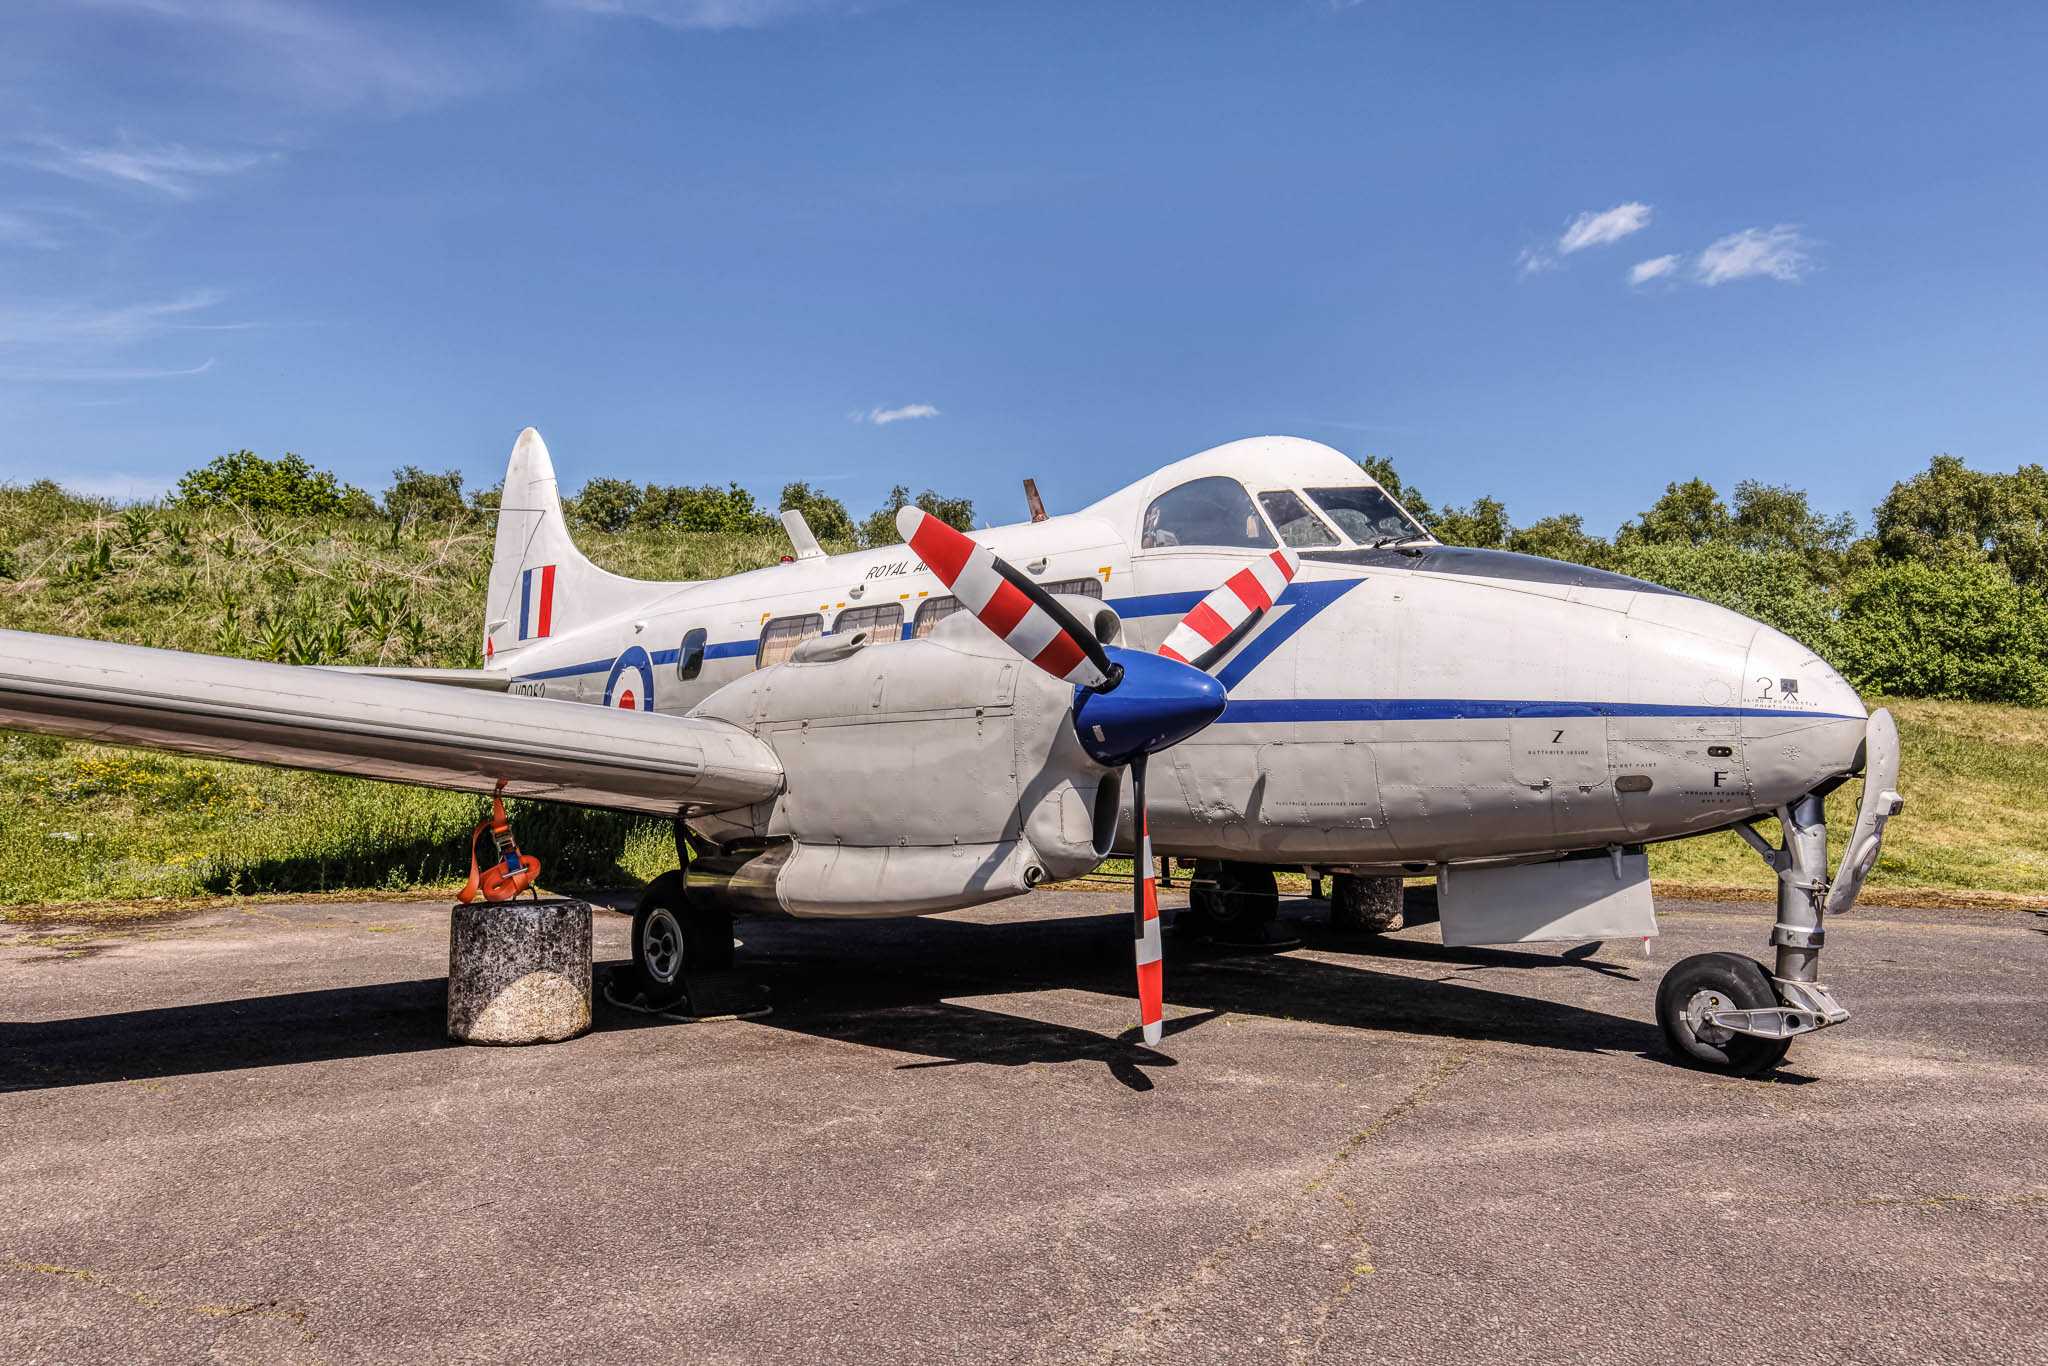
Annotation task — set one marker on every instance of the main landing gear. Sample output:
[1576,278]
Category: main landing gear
[1236,905]
[682,953]
[1728,1013]
[673,941]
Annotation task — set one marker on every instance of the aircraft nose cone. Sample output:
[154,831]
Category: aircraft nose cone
[1811,715]
[1160,702]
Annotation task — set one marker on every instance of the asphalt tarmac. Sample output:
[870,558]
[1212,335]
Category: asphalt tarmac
[241,1137]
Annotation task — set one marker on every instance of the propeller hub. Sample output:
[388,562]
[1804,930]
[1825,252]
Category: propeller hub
[1158,702]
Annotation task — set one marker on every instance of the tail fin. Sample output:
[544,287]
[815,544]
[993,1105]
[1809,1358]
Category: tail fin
[541,584]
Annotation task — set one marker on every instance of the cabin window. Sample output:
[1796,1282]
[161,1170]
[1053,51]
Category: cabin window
[931,612]
[883,621]
[1297,526]
[1366,514]
[1090,587]
[690,654]
[781,636]
[1215,511]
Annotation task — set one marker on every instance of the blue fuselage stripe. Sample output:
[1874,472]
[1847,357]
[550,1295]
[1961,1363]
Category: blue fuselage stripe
[1256,710]
[1297,605]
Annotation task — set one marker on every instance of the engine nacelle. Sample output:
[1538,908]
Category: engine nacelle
[920,776]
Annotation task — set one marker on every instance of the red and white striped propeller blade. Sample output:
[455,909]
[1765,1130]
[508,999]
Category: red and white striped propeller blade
[1019,611]
[1145,918]
[1220,620]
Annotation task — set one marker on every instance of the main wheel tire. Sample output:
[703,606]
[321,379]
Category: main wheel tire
[671,938]
[1248,914]
[1365,905]
[1704,982]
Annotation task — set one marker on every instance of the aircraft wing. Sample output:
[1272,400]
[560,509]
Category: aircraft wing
[395,729]
[490,680]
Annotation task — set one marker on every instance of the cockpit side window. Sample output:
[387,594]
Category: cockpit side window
[1298,526]
[1213,511]
[690,655]
[1367,514]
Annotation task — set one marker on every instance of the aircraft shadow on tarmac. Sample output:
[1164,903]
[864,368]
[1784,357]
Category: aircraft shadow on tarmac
[892,984]
[887,984]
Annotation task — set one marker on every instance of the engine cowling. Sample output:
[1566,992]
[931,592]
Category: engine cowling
[921,776]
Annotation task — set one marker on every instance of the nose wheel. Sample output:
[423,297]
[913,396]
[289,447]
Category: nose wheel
[1709,984]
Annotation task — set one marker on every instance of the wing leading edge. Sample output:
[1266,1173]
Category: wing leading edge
[397,730]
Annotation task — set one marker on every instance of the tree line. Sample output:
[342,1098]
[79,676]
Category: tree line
[291,486]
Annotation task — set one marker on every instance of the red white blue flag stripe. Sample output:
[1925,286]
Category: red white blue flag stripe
[537,602]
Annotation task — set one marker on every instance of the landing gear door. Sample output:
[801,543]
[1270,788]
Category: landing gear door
[1881,801]
[1572,900]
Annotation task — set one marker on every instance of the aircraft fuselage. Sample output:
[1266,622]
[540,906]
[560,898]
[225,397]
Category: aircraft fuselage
[1400,706]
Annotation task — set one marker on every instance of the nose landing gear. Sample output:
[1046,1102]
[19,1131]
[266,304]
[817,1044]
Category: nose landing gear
[1725,1012]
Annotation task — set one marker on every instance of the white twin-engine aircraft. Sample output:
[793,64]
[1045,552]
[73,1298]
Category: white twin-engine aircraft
[931,725]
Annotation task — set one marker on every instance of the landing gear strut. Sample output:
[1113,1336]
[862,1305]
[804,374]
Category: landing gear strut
[1722,1011]
[1725,1012]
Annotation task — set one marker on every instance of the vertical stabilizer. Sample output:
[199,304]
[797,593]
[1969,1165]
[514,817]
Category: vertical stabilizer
[541,585]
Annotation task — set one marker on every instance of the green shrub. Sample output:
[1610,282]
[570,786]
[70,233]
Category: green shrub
[415,495]
[1963,631]
[615,505]
[826,516]
[879,527]
[288,485]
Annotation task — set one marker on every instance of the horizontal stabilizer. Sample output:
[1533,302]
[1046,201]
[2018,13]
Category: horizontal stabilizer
[395,729]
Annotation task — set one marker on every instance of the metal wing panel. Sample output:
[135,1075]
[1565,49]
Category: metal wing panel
[396,730]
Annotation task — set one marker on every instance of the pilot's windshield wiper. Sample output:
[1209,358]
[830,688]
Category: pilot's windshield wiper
[1384,541]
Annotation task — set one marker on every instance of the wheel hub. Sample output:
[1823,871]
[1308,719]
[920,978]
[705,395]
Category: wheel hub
[1697,1009]
[661,946]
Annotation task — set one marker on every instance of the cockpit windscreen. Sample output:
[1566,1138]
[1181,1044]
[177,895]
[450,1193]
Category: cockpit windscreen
[1209,511]
[1298,526]
[1366,514]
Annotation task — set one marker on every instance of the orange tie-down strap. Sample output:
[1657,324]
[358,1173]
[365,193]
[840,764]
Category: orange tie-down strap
[507,875]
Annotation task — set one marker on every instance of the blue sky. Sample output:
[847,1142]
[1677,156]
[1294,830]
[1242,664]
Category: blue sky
[1562,254]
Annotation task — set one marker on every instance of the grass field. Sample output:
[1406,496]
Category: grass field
[85,823]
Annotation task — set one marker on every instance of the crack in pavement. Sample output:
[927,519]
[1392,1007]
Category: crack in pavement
[1134,1337]
[260,1309]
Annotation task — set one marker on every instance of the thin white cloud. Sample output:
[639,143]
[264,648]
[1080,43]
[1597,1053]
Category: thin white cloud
[1530,261]
[1599,229]
[19,228]
[1781,253]
[882,417]
[705,14]
[77,323]
[58,374]
[168,167]
[1656,268]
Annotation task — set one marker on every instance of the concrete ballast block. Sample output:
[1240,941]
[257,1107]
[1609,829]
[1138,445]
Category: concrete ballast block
[519,971]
